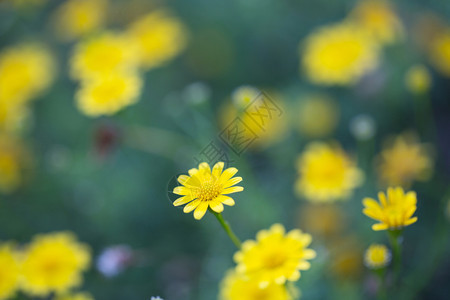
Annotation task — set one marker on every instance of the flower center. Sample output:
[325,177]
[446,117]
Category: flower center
[274,260]
[209,190]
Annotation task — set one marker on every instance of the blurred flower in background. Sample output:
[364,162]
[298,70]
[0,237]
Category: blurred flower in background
[404,160]
[14,161]
[75,296]
[439,51]
[9,270]
[114,260]
[322,220]
[326,173]
[418,79]
[377,256]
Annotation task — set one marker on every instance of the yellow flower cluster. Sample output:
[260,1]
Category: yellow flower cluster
[108,65]
[207,189]
[326,173]
[403,161]
[264,265]
[377,256]
[51,263]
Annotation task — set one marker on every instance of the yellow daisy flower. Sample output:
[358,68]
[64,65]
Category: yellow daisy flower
[326,173]
[418,79]
[379,18]
[275,256]
[159,36]
[54,263]
[205,188]
[25,71]
[75,296]
[108,94]
[377,256]
[9,271]
[394,211]
[237,287]
[439,51]
[75,18]
[102,55]
[13,160]
[404,160]
[339,54]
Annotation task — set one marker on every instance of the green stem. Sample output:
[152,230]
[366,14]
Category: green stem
[381,273]
[236,241]
[394,239]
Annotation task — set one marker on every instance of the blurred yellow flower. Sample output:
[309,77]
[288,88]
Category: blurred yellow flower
[13,160]
[159,36]
[394,211]
[325,220]
[237,287]
[25,71]
[260,116]
[326,173]
[54,263]
[75,296]
[440,52]
[404,160]
[379,18]
[205,188]
[275,256]
[9,271]
[108,94]
[318,116]
[346,257]
[377,256]
[339,54]
[76,18]
[102,55]
[12,116]
[418,79]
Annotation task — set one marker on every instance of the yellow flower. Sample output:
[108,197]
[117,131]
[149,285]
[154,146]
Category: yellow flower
[325,220]
[25,71]
[9,271]
[237,287]
[75,296]
[159,36]
[275,257]
[13,160]
[108,94]
[418,79]
[326,173]
[379,18]
[394,211]
[260,118]
[205,188]
[318,116]
[75,18]
[440,52]
[339,54]
[54,263]
[102,55]
[404,160]
[377,256]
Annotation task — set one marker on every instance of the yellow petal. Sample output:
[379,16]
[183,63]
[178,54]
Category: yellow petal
[379,226]
[216,206]
[227,174]
[309,254]
[232,181]
[411,221]
[233,189]
[182,200]
[181,190]
[295,276]
[204,167]
[217,169]
[370,203]
[192,171]
[225,200]
[191,206]
[200,211]
[304,265]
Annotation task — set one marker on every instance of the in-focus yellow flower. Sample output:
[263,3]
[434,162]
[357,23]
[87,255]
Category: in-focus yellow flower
[418,79]
[237,287]
[326,173]
[377,256]
[275,256]
[54,263]
[108,94]
[339,54]
[13,160]
[75,296]
[394,211]
[404,160]
[379,18]
[25,71]
[9,271]
[440,52]
[205,188]
[159,36]
[318,116]
[75,18]
[260,118]
[102,55]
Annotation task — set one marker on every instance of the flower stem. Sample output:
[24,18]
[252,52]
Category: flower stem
[236,241]
[395,240]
